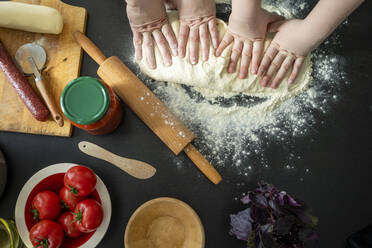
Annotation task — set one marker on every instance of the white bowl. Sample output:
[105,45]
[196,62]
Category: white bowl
[44,173]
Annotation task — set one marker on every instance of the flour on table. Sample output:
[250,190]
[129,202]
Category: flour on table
[234,128]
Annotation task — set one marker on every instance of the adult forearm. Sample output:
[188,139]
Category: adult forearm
[327,15]
[245,6]
[141,12]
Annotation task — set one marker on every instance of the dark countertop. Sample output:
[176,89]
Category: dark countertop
[339,151]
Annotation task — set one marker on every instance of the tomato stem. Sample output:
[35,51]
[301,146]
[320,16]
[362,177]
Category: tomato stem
[78,216]
[73,190]
[64,205]
[35,214]
[43,243]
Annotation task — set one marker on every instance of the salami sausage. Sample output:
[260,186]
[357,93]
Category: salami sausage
[22,86]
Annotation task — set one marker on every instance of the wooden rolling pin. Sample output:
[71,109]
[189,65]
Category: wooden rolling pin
[147,106]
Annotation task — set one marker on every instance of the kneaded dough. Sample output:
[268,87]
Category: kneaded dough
[30,17]
[212,74]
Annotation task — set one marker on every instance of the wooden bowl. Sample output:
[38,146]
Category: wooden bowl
[164,223]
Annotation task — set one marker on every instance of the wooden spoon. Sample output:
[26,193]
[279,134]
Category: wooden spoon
[135,168]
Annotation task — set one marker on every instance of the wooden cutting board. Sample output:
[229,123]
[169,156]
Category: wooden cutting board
[63,64]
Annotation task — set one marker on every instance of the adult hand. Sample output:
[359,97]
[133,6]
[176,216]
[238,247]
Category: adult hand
[247,31]
[149,23]
[287,51]
[197,23]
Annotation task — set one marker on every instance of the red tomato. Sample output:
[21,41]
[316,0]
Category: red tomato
[69,199]
[88,215]
[46,234]
[67,222]
[46,205]
[80,180]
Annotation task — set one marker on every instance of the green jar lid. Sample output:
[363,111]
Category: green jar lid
[85,100]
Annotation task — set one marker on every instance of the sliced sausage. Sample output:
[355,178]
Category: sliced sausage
[22,86]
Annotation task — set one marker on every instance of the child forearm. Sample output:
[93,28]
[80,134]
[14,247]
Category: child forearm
[327,15]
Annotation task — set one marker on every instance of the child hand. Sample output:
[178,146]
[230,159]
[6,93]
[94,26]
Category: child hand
[149,22]
[247,32]
[197,22]
[287,51]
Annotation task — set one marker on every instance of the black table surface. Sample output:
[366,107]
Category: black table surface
[338,152]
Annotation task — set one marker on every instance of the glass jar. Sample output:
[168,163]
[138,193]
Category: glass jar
[91,105]
[9,237]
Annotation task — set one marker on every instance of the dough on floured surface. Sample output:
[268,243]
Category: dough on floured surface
[30,17]
[212,74]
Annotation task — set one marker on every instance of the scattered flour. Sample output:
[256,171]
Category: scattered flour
[234,139]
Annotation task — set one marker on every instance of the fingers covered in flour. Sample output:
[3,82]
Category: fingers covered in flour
[258,48]
[194,45]
[183,36]
[245,59]
[137,42]
[296,69]
[284,68]
[267,58]
[226,41]
[162,44]
[213,30]
[149,49]
[235,55]
[204,41]
[273,68]
[171,38]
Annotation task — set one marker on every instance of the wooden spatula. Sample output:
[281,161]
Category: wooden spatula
[135,168]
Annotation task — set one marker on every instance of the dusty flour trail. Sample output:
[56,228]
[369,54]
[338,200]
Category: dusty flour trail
[233,134]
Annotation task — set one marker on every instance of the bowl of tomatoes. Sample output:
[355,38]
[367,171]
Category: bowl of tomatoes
[63,206]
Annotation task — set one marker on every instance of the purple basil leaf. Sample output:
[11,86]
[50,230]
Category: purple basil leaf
[284,225]
[274,219]
[272,204]
[260,201]
[281,197]
[260,245]
[259,215]
[241,224]
[276,209]
[245,199]
[252,197]
[292,202]
[268,240]
[268,228]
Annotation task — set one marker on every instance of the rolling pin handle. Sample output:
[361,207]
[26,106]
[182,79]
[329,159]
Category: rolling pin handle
[89,47]
[204,166]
